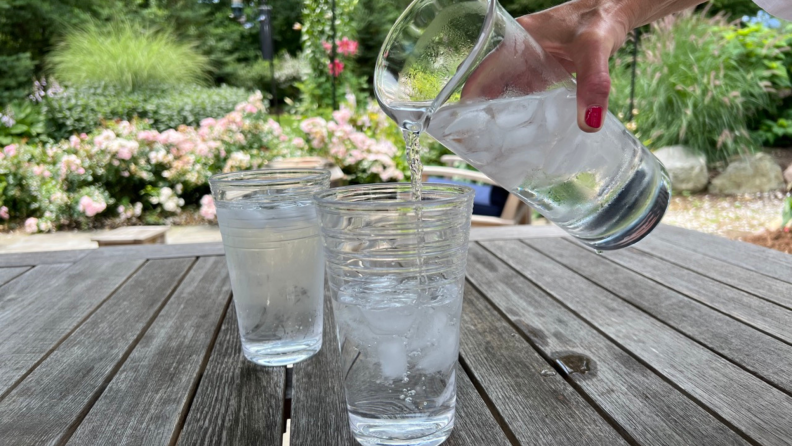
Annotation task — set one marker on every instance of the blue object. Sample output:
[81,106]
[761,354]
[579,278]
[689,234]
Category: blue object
[489,200]
[764,18]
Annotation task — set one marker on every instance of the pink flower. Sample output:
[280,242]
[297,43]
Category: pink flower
[31,225]
[343,115]
[335,67]
[208,122]
[361,141]
[80,171]
[298,142]
[4,213]
[328,47]
[250,108]
[347,47]
[208,210]
[283,138]
[74,141]
[10,150]
[104,138]
[90,207]
[148,135]
[83,136]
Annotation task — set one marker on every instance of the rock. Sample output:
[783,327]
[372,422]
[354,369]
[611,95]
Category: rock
[688,170]
[788,175]
[750,175]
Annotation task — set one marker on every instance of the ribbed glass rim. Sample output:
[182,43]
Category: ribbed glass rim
[364,196]
[272,178]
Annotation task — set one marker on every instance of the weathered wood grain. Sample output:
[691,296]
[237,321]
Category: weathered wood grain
[767,287]
[318,407]
[766,316]
[9,274]
[147,399]
[42,258]
[31,324]
[54,397]
[515,232]
[648,409]
[18,291]
[764,356]
[752,406]
[474,425]
[238,403]
[539,410]
[752,257]
[159,251]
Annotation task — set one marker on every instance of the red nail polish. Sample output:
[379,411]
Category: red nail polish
[594,117]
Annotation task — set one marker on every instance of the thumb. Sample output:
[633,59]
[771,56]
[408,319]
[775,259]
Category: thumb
[593,83]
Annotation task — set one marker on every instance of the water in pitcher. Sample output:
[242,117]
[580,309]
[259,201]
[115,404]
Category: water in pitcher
[592,185]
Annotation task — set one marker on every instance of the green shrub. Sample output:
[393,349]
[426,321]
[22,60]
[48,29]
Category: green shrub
[289,71]
[128,56]
[79,110]
[21,121]
[16,77]
[691,88]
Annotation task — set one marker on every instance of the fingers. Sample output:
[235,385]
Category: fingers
[593,80]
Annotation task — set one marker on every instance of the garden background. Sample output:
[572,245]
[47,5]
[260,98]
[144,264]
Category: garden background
[116,112]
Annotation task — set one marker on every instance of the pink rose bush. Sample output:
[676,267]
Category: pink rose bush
[129,171]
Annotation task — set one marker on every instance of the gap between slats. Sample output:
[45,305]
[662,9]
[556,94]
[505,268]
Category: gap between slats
[194,387]
[100,390]
[547,292]
[69,333]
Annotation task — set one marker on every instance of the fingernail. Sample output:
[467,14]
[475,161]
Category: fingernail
[594,116]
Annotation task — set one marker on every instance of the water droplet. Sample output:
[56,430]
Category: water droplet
[401,397]
[548,372]
[408,400]
[599,251]
[574,363]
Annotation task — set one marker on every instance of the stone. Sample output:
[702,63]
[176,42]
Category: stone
[752,174]
[788,175]
[688,170]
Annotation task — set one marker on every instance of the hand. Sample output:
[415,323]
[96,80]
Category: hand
[583,34]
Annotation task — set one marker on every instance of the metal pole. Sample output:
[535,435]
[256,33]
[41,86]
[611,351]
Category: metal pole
[636,41]
[333,73]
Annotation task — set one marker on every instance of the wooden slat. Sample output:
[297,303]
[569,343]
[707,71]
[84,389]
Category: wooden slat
[515,232]
[765,316]
[764,356]
[9,274]
[18,291]
[318,410]
[238,403]
[57,393]
[42,258]
[647,408]
[540,410]
[159,251]
[148,397]
[759,284]
[46,311]
[474,424]
[752,257]
[752,406]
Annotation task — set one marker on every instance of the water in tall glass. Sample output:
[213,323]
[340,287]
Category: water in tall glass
[399,344]
[276,264]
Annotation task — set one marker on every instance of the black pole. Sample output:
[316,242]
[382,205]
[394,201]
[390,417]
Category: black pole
[333,71]
[636,41]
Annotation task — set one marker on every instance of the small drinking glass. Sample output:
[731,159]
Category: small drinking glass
[396,271]
[273,249]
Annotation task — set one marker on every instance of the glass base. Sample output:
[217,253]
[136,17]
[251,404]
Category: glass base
[405,432]
[275,354]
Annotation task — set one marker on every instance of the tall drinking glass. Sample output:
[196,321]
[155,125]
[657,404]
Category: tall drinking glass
[467,73]
[273,249]
[396,270]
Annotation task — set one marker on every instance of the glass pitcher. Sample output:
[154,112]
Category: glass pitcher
[467,73]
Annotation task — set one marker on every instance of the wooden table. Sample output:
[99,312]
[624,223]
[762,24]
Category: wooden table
[684,340]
